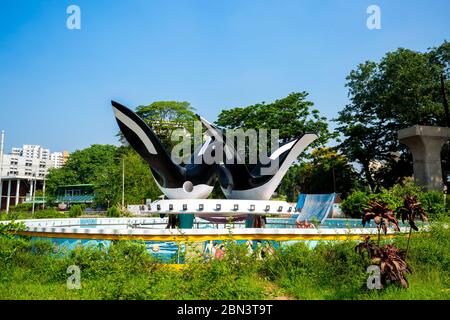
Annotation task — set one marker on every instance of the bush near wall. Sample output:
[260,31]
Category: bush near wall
[432,201]
[75,211]
[48,213]
[113,212]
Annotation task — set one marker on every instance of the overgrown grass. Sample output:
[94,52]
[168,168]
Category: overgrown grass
[125,270]
[49,213]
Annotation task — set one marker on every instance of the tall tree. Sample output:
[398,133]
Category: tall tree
[440,56]
[401,90]
[292,116]
[164,117]
[101,165]
[139,183]
[83,166]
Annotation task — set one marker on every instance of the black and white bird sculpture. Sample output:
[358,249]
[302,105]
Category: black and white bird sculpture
[193,181]
[238,182]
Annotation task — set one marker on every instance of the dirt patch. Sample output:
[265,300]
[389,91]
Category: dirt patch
[275,292]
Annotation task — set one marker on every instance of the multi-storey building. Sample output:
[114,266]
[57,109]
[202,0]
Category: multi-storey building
[23,169]
[31,151]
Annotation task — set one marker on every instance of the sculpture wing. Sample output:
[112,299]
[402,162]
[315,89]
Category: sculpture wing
[142,138]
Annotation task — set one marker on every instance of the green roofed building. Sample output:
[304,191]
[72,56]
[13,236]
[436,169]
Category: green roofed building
[75,194]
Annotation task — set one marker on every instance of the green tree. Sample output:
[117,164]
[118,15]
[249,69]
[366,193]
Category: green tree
[83,166]
[101,165]
[327,171]
[139,182]
[292,116]
[403,89]
[89,162]
[164,117]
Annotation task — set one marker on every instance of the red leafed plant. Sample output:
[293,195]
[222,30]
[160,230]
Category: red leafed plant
[383,217]
[408,212]
[390,259]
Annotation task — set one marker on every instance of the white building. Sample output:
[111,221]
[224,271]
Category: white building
[24,167]
[29,151]
[58,159]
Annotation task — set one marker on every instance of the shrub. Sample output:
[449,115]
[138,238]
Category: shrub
[433,203]
[407,188]
[22,207]
[355,203]
[48,214]
[75,211]
[393,200]
[113,212]
[6,229]
[15,215]
[395,195]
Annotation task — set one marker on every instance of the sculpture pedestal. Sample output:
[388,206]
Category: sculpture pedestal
[186,221]
[425,144]
[221,210]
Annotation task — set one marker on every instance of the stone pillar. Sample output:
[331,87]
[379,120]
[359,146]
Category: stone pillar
[17,191]
[8,196]
[31,188]
[1,193]
[425,144]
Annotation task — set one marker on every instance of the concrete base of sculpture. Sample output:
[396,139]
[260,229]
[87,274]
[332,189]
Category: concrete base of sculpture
[425,144]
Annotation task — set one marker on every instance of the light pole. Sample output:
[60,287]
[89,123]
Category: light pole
[123,183]
[43,194]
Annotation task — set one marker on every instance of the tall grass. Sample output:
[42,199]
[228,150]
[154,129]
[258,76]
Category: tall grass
[125,270]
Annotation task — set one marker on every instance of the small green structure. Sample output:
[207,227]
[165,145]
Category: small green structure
[75,194]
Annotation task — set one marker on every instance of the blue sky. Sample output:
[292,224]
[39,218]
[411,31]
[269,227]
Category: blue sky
[56,83]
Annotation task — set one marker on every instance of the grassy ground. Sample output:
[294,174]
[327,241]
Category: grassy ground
[126,271]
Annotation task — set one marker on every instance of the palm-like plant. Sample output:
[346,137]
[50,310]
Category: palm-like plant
[368,246]
[408,212]
[383,217]
[393,265]
[390,259]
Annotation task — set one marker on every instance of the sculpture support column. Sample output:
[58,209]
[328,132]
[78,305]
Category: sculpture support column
[425,144]
[186,221]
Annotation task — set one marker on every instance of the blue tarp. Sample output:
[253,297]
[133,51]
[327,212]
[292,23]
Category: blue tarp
[314,206]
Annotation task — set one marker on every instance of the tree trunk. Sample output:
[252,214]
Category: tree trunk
[444,101]
[368,175]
